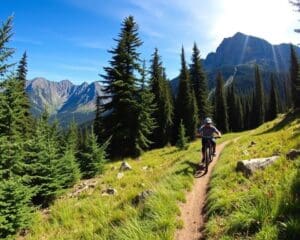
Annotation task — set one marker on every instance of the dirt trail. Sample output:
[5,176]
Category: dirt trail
[191,210]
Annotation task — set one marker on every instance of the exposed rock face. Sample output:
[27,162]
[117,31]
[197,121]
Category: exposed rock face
[246,49]
[63,100]
[250,166]
[236,57]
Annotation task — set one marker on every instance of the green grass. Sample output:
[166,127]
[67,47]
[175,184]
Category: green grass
[170,174]
[265,205]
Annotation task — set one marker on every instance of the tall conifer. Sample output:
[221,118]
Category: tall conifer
[185,103]
[259,102]
[232,105]
[92,156]
[25,117]
[42,163]
[199,83]
[163,101]
[273,108]
[122,89]
[5,51]
[14,196]
[98,122]
[220,113]
[295,78]
[146,123]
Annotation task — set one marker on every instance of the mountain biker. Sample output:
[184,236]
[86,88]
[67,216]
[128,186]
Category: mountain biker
[208,130]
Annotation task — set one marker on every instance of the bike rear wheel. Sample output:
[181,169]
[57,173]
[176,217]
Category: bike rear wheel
[210,154]
[207,158]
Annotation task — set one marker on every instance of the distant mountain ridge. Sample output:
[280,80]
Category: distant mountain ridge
[245,49]
[63,100]
[235,58]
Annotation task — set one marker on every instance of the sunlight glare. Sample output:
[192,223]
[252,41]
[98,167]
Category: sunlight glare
[269,19]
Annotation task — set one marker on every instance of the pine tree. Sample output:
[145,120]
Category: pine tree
[22,70]
[92,157]
[273,108]
[5,51]
[287,94]
[185,107]
[121,86]
[25,117]
[15,210]
[98,121]
[232,107]
[199,83]
[68,168]
[169,108]
[163,101]
[295,78]
[240,115]
[145,121]
[247,111]
[220,113]
[72,140]
[11,128]
[259,103]
[42,162]
[182,140]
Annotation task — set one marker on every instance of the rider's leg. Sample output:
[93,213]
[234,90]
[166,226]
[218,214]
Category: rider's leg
[203,150]
[213,141]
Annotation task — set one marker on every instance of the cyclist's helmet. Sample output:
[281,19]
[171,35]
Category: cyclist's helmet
[207,120]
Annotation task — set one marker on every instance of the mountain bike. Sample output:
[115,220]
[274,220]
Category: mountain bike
[208,151]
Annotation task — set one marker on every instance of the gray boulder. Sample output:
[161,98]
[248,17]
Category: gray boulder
[125,166]
[109,191]
[293,154]
[251,165]
[141,198]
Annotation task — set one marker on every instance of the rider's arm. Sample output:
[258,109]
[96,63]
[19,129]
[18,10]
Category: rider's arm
[199,132]
[218,132]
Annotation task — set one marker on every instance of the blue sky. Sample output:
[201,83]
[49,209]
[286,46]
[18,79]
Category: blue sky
[69,39]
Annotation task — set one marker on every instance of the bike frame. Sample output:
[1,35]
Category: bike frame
[207,152]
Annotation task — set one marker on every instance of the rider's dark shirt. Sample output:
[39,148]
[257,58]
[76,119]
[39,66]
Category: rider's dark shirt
[207,131]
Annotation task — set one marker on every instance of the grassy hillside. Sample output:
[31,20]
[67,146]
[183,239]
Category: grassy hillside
[261,207]
[89,216]
[266,205]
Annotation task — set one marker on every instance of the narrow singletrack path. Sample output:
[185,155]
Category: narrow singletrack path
[192,210]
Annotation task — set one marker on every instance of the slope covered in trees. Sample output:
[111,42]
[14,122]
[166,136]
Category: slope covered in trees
[137,112]
[37,160]
[167,173]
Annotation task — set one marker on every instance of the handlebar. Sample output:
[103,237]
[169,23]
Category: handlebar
[210,137]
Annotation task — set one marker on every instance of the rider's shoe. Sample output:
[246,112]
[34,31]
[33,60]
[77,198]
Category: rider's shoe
[201,166]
